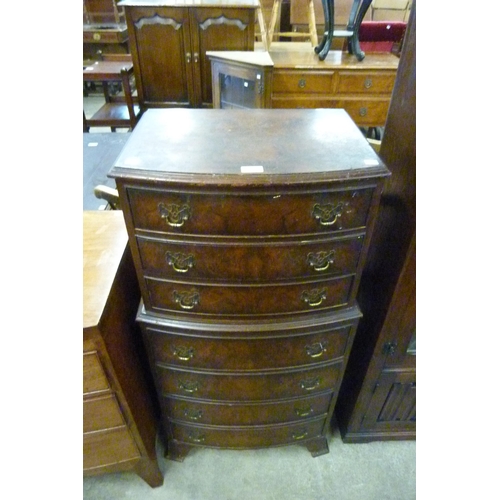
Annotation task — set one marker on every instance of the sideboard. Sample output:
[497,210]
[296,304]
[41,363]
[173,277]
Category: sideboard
[290,75]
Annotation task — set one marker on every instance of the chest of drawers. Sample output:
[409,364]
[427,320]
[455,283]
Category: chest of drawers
[249,230]
[291,76]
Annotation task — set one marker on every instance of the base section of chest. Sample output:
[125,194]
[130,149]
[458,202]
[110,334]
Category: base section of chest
[248,384]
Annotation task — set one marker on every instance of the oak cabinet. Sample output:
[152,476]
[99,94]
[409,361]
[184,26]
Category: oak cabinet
[169,41]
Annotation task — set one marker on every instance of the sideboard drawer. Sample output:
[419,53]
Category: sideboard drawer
[236,300]
[247,354]
[244,214]
[243,387]
[210,413]
[247,437]
[109,447]
[302,82]
[355,82]
[94,378]
[244,262]
[101,413]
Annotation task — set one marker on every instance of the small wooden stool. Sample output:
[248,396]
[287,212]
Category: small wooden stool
[311,16]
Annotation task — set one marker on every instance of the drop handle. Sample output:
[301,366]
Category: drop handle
[303,412]
[300,435]
[183,353]
[315,350]
[321,261]
[310,384]
[327,214]
[196,57]
[188,57]
[189,386]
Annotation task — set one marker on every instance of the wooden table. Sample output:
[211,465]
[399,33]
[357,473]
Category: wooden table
[117,112]
[119,408]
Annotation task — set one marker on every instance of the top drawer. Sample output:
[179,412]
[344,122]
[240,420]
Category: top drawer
[356,82]
[248,214]
[302,82]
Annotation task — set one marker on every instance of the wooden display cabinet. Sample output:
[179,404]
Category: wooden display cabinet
[169,40]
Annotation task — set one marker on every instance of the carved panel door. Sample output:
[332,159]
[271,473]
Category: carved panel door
[216,29]
[161,49]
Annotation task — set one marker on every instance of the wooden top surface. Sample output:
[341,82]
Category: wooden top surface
[104,242]
[242,147]
[101,70]
[189,3]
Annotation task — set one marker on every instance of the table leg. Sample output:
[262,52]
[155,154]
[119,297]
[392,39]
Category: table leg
[324,47]
[355,18]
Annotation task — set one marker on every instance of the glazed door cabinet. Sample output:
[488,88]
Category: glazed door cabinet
[169,41]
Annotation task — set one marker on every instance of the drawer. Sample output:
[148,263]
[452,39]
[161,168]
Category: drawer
[101,413]
[94,378]
[203,412]
[243,262]
[303,82]
[248,214]
[365,112]
[244,387]
[106,448]
[102,36]
[236,300]
[247,437]
[247,354]
[355,82]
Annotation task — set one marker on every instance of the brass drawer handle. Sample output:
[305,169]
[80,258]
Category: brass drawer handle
[174,215]
[368,83]
[316,350]
[183,353]
[302,83]
[303,412]
[309,384]
[321,261]
[187,300]
[181,263]
[192,414]
[363,111]
[196,438]
[189,386]
[314,297]
[300,435]
[188,57]
[196,56]
[327,214]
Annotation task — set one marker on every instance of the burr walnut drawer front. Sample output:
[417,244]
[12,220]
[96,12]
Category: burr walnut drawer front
[355,82]
[247,354]
[244,300]
[249,262]
[248,214]
[247,437]
[109,447]
[94,378]
[303,82]
[101,413]
[210,413]
[232,386]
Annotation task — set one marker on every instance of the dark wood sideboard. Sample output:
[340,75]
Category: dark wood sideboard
[169,40]
[249,231]
[120,409]
[377,400]
[290,75]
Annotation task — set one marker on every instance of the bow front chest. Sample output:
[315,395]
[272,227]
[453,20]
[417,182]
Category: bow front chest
[248,230]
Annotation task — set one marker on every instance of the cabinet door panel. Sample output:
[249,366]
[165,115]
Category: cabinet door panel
[217,29]
[161,41]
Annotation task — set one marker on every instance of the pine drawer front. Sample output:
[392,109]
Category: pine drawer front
[101,413]
[240,354]
[232,386]
[303,82]
[243,214]
[94,378]
[247,437]
[355,82]
[217,413]
[239,300]
[262,261]
[108,447]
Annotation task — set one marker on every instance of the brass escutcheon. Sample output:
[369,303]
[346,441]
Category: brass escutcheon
[327,214]
[183,353]
[180,262]
[314,297]
[174,215]
[321,261]
[187,300]
[315,350]
[310,384]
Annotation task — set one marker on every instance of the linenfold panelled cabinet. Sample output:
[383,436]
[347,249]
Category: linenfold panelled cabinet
[249,231]
[168,42]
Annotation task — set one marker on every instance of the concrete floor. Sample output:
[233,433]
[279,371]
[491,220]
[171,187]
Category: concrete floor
[371,471]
